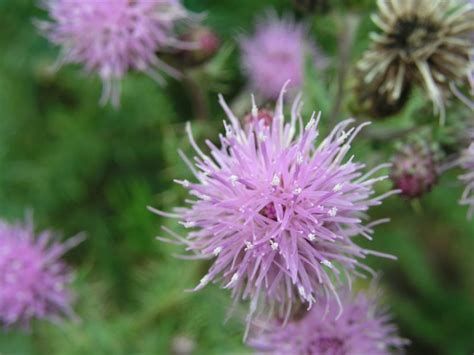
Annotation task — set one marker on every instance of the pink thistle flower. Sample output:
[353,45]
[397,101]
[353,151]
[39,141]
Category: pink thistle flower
[33,280]
[111,37]
[276,212]
[363,328]
[276,53]
[467,163]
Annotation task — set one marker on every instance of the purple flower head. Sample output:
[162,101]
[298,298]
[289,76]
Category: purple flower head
[277,211]
[363,328]
[276,53]
[111,37]
[467,163]
[33,280]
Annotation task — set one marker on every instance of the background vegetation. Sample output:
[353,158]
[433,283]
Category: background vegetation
[81,167]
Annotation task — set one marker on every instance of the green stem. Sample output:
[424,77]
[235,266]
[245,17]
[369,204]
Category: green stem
[197,95]
[346,40]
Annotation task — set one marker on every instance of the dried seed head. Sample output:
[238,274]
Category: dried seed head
[380,104]
[422,41]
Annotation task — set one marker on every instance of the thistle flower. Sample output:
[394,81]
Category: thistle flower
[363,328]
[111,37]
[276,53]
[414,170]
[33,280]
[277,213]
[467,163]
[422,41]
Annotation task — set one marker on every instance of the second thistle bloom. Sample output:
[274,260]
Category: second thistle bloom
[111,37]
[363,328]
[276,53]
[34,282]
[276,211]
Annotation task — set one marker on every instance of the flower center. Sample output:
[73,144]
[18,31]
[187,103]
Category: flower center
[326,346]
[281,56]
[263,115]
[413,34]
[269,211]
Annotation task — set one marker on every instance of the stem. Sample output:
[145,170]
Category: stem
[199,102]
[346,39]
[417,207]
[383,134]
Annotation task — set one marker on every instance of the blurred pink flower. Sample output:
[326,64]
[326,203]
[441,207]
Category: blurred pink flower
[33,280]
[276,53]
[111,37]
[363,328]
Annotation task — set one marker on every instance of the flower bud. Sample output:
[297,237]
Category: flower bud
[414,169]
[263,115]
[207,44]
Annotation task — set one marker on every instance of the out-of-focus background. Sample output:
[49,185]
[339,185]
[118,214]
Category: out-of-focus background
[82,167]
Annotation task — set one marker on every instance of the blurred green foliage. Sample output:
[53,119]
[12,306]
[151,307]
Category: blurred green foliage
[81,167]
